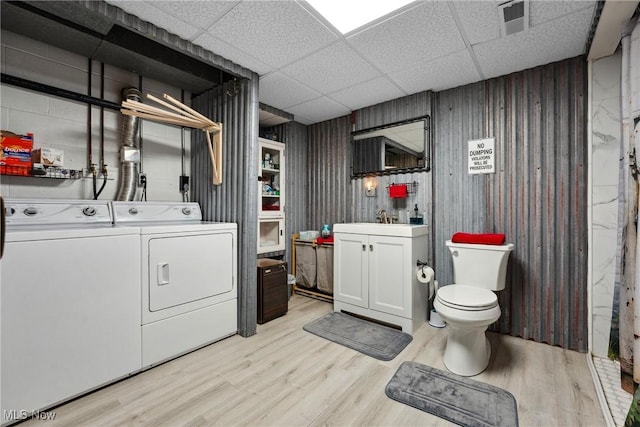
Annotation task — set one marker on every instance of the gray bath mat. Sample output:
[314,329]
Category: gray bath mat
[458,399]
[372,339]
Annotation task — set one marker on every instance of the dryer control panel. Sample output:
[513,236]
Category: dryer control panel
[156,212]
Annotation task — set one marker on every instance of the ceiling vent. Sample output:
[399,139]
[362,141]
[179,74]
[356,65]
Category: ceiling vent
[514,17]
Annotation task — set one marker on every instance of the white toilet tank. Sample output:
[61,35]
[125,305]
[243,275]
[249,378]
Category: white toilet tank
[484,266]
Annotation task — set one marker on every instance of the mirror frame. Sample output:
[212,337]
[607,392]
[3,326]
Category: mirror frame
[427,148]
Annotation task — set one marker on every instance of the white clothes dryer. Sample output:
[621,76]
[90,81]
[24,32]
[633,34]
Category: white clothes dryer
[70,303]
[188,277]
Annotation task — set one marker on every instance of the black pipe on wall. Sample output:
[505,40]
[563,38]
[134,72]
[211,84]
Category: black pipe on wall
[56,91]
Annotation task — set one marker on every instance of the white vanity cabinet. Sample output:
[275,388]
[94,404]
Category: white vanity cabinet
[374,272]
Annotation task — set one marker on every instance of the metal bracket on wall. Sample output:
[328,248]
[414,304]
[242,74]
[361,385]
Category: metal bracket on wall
[411,186]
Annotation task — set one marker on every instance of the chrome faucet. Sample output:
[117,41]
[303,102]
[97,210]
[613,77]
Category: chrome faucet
[382,217]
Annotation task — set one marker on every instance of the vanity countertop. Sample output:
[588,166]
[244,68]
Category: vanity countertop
[400,230]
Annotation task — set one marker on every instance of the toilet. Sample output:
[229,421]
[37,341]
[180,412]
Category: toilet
[470,305]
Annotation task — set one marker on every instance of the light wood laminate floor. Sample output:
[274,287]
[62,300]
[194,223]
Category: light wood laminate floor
[284,376]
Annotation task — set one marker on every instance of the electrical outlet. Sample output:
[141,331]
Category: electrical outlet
[184,183]
[142,179]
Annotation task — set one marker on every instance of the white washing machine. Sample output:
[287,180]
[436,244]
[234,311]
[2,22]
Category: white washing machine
[70,314]
[188,277]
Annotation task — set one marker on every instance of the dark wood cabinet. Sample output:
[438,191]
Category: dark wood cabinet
[273,300]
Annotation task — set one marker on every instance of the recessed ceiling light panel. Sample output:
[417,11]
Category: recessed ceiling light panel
[347,15]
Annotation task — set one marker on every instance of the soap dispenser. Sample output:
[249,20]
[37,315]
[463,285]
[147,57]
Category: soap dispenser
[416,218]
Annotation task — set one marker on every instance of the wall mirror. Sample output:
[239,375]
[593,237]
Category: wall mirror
[395,148]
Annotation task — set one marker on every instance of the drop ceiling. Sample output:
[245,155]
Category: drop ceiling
[309,69]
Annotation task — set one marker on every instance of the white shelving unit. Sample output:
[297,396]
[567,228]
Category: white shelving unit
[271,196]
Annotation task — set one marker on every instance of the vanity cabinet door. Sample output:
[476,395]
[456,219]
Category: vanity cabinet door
[389,271]
[351,269]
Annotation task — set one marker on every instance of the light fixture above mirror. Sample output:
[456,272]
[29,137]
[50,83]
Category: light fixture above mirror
[395,148]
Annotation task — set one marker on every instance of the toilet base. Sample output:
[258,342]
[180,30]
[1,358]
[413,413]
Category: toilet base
[467,351]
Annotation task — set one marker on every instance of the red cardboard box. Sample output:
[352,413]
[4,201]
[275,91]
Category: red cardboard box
[15,153]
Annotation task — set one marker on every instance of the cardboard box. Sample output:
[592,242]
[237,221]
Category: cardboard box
[15,153]
[48,157]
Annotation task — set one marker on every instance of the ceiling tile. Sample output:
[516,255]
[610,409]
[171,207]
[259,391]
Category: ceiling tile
[479,19]
[232,53]
[422,33]
[275,32]
[543,11]
[556,40]
[303,120]
[319,110]
[146,11]
[278,89]
[367,93]
[201,14]
[330,69]
[443,73]
[300,57]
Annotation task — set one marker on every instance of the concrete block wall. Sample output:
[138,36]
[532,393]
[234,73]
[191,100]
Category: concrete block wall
[63,124]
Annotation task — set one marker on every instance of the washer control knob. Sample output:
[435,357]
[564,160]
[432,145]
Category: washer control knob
[89,211]
[9,211]
[30,211]
[186,211]
[133,211]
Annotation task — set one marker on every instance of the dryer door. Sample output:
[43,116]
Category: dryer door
[184,269]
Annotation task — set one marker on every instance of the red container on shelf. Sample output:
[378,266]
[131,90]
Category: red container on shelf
[270,207]
[398,191]
[15,153]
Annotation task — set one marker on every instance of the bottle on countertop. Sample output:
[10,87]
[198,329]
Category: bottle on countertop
[326,231]
[417,218]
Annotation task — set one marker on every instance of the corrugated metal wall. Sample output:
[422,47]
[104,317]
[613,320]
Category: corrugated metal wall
[236,200]
[294,136]
[363,209]
[538,195]
[329,176]
[396,110]
[331,195]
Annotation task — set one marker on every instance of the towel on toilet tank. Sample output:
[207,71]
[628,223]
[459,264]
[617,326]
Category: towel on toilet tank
[479,238]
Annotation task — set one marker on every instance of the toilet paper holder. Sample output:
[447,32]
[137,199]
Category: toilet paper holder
[422,264]
[434,318]
[425,274]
